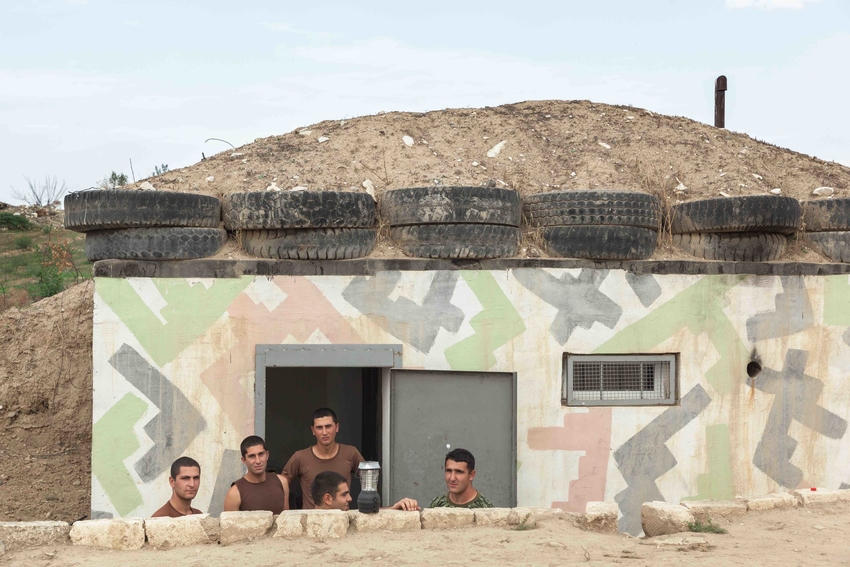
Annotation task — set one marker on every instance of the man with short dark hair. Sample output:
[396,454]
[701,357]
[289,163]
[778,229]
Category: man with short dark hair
[330,491]
[325,455]
[257,490]
[184,480]
[460,471]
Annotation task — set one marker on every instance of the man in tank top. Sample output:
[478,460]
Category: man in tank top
[325,455]
[184,480]
[257,490]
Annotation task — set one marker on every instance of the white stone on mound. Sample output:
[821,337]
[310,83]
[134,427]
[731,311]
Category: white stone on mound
[164,533]
[495,150]
[661,518]
[244,526]
[776,500]
[384,520]
[601,516]
[443,518]
[122,534]
[818,497]
[705,511]
[22,535]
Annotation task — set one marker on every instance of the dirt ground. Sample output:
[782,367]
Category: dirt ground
[788,537]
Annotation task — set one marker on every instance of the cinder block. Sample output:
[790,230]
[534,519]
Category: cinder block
[123,534]
[384,520]
[714,511]
[443,518]
[164,533]
[289,524]
[244,526]
[601,516]
[660,518]
[325,523]
[492,516]
[23,535]
[820,497]
[773,501]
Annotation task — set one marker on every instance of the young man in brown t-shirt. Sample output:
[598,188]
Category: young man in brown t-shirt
[258,489]
[325,455]
[184,480]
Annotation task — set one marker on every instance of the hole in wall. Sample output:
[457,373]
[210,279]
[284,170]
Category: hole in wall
[753,369]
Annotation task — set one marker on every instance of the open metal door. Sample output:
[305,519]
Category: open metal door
[432,412]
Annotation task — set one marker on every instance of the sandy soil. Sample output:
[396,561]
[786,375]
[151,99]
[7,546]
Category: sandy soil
[788,537]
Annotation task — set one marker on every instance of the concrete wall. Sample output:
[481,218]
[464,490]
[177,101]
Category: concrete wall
[174,370]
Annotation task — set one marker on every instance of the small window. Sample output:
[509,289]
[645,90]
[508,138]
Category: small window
[619,380]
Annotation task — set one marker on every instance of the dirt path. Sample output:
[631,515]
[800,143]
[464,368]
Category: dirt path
[787,537]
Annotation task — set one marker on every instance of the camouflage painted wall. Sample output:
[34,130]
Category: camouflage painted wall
[174,371]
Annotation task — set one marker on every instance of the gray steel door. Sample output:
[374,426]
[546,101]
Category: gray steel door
[433,412]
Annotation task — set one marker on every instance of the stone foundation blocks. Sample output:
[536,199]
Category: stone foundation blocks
[774,501]
[244,526]
[385,520]
[602,516]
[661,518]
[444,518]
[290,523]
[22,535]
[164,533]
[124,534]
[715,511]
[325,523]
[820,497]
[492,516]
[530,516]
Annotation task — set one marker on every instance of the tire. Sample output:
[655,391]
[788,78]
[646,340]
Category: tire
[835,245]
[826,215]
[449,205]
[103,209]
[617,208]
[754,213]
[299,209]
[154,243]
[310,243]
[601,242]
[733,246]
[457,241]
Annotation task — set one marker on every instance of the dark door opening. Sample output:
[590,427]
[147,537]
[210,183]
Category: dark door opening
[293,394]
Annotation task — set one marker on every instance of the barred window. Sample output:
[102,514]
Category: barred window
[603,380]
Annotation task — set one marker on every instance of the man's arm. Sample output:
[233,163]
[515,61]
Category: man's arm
[285,484]
[292,470]
[232,500]
[356,459]
[407,504]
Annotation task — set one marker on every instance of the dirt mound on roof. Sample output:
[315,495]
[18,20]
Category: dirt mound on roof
[46,399]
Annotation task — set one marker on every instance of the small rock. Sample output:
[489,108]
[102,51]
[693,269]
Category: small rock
[489,183]
[533,252]
[722,174]
[556,544]
[572,174]
[210,179]
[12,415]
[475,164]
[75,483]
[305,132]
[824,191]
[236,154]
[408,141]
[369,186]
[494,151]
[722,194]
[299,188]
[146,186]
[273,187]
[776,191]
[322,139]
[604,145]
[757,176]
[179,180]
[681,188]
[819,527]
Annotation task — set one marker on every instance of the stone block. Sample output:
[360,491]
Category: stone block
[289,524]
[384,520]
[212,527]
[325,523]
[123,534]
[492,516]
[22,535]
[164,533]
[715,511]
[818,497]
[443,518]
[531,516]
[773,501]
[243,526]
[601,516]
[661,518]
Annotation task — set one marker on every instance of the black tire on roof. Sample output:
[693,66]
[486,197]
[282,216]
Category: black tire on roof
[835,245]
[298,209]
[310,243]
[569,208]
[440,205]
[826,214]
[752,213]
[161,243]
[733,246]
[105,208]
[457,241]
[601,242]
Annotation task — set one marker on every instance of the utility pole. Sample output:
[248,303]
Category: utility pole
[720,102]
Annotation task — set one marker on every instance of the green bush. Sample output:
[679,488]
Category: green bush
[11,221]
[49,281]
[23,242]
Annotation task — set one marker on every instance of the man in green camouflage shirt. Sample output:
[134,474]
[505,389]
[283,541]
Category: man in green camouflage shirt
[460,470]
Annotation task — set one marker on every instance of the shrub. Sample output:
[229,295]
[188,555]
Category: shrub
[23,242]
[11,221]
[706,528]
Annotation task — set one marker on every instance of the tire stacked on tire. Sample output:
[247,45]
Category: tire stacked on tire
[454,222]
[737,229]
[303,225]
[827,227]
[596,225]
[145,225]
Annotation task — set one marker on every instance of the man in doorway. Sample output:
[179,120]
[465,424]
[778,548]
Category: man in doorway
[325,455]
[257,490]
[330,492]
[184,480]
[460,471]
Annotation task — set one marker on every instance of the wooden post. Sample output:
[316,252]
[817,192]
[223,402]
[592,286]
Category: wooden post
[720,102]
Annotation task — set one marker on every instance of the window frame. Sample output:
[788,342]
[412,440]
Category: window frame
[567,392]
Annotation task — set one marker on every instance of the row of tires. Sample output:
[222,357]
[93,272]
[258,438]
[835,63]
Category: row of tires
[449,222]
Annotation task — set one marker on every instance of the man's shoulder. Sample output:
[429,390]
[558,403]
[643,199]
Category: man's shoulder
[349,452]
[480,501]
[441,501]
[164,511]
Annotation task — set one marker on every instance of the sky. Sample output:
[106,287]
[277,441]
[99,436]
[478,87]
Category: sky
[87,85]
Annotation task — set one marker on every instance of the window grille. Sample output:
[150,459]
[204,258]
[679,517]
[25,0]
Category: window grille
[607,380]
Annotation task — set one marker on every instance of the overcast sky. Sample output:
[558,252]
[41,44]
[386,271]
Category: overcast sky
[87,84]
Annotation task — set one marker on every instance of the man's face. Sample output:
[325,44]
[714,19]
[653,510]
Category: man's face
[342,500]
[186,484]
[256,458]
[458,476]
[324,430]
